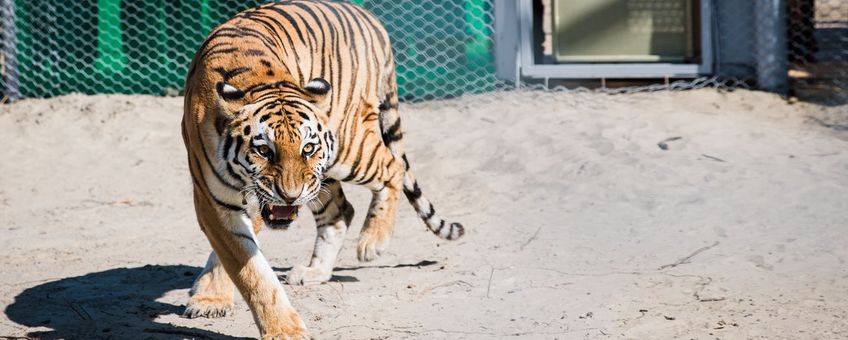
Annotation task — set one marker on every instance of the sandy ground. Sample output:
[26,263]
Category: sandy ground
[579,225]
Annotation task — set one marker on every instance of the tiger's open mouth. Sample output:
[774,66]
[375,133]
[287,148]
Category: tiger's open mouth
[279,216]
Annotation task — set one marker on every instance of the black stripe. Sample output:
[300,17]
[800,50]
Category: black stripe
[334,77]
[352,43]
[241,160]
[430,213]
[270,45]
[224,32]
[227,74]
[213,52]
[392,138]
[229,206]
[312,41]
[413,194]
[271,28]
[405,162]
[234,159]
[389,102]
[212,165]
[372,117]
[355,18]
[350,176]
[280,86]
[369,179]
[268,106]
[394,128]
[356,160]
[392,134]
[239,142]
[338,52]
[308,9]
[303,115]
[373,155]
[375,25]
[439,229]
[291,21]
[365,32]
[209,192]
[245,236]
[254,52]
[293,48]
[332,9]
[227,143]
[458,227]
[208,46]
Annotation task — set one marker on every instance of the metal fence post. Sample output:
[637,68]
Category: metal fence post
[506,38]
[8,31]
[770,45]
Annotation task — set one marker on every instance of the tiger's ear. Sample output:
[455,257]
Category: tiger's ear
[318,90]
[229,92]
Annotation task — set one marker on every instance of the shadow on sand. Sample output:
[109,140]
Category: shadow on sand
[113,304]
[121,303]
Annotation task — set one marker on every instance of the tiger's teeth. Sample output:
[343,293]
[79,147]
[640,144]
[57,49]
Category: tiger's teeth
[292,216]
[271,216]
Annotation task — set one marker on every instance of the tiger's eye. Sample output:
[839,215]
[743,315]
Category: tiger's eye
[263,150]
[308,149]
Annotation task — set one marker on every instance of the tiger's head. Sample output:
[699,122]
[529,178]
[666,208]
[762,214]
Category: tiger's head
[280,145]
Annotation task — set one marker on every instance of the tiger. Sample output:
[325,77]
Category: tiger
[283,103]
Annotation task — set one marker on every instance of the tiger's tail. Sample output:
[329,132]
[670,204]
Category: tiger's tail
[425,210]
[392,136]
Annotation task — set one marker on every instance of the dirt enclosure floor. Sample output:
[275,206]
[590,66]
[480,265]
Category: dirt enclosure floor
[579,224]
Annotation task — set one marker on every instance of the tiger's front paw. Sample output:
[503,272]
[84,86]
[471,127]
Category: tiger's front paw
[371,245]
[303,275]
[208,307]
[289,326]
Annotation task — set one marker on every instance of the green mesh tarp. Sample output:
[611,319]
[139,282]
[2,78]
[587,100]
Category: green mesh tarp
[443,48]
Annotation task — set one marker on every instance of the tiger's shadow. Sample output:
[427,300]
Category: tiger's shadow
[121,303]
[113,304]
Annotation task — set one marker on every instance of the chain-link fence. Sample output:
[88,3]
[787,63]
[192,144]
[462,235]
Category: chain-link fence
[818,49]
[444,48]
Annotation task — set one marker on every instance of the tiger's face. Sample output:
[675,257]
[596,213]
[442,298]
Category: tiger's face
[281,146]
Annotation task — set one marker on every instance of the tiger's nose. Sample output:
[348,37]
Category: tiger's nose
[283,195]
[287,199]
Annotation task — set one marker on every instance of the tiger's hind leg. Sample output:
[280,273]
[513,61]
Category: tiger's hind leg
[333,214]
[386,179]
[379,225]
[211,296]
[386,183]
